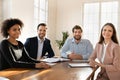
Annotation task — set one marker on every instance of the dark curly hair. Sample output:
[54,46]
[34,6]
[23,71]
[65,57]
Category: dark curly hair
[8,23]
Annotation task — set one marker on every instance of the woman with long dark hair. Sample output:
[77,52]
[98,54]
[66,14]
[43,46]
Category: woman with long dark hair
[107,51]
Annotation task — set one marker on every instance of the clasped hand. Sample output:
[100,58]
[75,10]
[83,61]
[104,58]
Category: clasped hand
[93,63]
[75,56]
[42,65]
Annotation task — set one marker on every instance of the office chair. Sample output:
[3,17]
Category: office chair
[91,76]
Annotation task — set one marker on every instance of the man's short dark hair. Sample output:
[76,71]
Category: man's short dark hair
[41,24]
[76,27]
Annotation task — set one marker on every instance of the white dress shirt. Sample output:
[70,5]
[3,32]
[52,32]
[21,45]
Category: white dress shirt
[104,52]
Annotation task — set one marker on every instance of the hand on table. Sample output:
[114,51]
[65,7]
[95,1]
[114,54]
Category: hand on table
[93,63]
[42,65]
[74,56]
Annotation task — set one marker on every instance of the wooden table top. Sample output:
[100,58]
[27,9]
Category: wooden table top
[60,71]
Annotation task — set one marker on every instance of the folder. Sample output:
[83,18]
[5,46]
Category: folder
[4,78]
[79,65]
[81,61]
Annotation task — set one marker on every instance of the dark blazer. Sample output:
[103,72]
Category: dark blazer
[31,46]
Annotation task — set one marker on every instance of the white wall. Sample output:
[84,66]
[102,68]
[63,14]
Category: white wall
[6,9]
[69,13]
[1,17]
[62,16]
[0,10]
[118,30]
[51,31]
[22,9]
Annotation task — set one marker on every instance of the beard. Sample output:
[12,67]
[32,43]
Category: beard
[41,36]
[77,37]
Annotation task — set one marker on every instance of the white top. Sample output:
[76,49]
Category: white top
[104,52]
[18,53]
[40,47]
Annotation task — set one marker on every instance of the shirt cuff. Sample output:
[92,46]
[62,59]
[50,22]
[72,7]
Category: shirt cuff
[68,52]
[85,57]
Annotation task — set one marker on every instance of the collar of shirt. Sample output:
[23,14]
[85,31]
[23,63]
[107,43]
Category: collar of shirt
[104,51]
[41,40]
[73,41]
[105,45]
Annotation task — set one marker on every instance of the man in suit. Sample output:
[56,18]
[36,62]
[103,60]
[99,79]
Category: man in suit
[39,46]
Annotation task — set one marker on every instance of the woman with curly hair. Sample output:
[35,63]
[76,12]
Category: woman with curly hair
[13,53]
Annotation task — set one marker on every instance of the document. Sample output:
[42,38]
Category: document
[80,61]
[54,59]
[79,65]
[51,64]
[3,78]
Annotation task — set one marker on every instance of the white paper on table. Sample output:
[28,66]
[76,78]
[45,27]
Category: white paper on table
[81,61]
[4,78]
[82,65]
[54,59]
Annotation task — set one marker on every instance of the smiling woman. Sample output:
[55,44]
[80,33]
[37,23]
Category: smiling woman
[107,51]
[13,52]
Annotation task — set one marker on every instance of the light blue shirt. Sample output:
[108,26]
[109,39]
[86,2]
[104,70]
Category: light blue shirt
[84,48]
[40,47]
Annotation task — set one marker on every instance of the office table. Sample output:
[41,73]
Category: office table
[60,71]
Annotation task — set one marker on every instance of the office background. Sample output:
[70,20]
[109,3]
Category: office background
[62,15]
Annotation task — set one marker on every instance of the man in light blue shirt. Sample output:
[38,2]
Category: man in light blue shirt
[77,48]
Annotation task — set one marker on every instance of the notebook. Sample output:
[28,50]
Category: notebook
[79,65]
[80,61]
[54,59]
